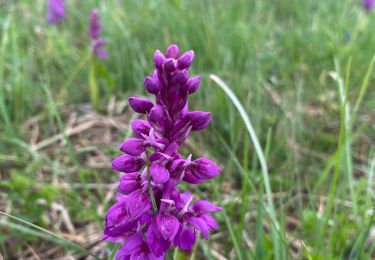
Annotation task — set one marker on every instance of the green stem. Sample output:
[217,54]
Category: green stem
[149,185]
[94,90]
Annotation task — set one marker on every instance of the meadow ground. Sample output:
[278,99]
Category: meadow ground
[302,70]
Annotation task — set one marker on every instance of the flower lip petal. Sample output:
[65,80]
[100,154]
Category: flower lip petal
[159,173]
[137,203]
[134,243]
[185,238]
[168,226]
[210,222]
[199,224]
[155,241]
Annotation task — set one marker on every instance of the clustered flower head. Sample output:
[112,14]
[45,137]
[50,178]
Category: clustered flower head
[56,11]
[368,4]
[95,29]
[154,167]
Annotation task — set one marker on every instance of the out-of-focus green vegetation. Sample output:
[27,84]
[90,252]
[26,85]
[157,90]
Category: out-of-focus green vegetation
[301,70]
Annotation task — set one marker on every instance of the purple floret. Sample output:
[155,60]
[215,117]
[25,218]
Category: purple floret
[56,11]
[95,29]
[147,233]
[368,4]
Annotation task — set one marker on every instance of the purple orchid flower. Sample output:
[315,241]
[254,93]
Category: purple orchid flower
[56,11]
[95,29]
[149,229]
[368,4]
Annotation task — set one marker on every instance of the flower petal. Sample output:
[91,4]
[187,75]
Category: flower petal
[130,247]
[172,51]
[126,163]
[159,173]
[133,146]
[210,221]
[152,85]
[168,226]
[159,118]
[129,182]
[157,244]
[137,204]
[185,60]
[203,206]
[140,127]
[140,105]
[198,119]
[199,224]
[202,169]
[185,238]
[159,59]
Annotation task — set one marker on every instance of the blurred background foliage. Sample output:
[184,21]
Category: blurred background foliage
[283,59]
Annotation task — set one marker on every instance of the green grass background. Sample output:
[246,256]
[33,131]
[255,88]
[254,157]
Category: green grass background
[301,70]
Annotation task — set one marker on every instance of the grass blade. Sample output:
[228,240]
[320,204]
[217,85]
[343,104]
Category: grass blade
[261,157]
[42,233]
[116,247]
[3,108]
[364,86]
[347,123]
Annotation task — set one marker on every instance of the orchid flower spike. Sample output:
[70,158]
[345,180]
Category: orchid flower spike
[151,215]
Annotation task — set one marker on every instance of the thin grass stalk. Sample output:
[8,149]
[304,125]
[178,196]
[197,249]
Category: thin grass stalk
[336,172]
[247,178]
[151,192]
[94,90]
[364,86]
[245,186]
[259,151]
[116,247]
[345,106]
[45,231]
[370,179]
[231,230]
[3,108]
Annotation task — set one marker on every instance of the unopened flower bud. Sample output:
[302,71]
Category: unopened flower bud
[198,120]
[151,85]
[126,163]
[133,146]
[159,59]
[140,105]
[140,127]
[172,51]
[185,60]
[169,65]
